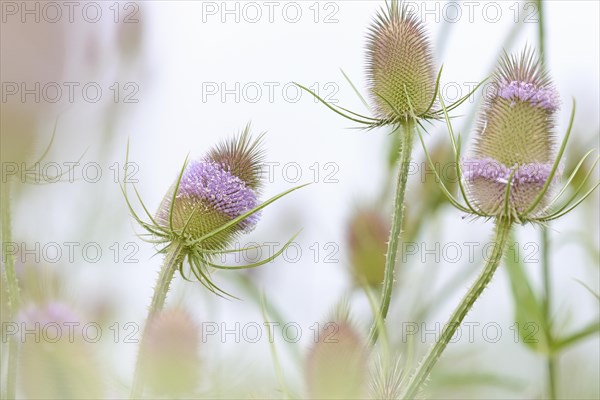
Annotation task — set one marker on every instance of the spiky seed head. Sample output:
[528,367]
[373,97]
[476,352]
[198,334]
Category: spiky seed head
[514,136]
[215,190]
[58,364]
[242,157]
[399,64]
[367,236]
[337,363]
[172,365]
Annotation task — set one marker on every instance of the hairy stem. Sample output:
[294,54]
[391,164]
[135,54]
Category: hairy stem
[407,134]
[172,260]
[12,285]
[500,240]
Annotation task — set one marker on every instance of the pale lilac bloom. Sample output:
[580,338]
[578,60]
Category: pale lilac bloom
[216,188]
[545,97]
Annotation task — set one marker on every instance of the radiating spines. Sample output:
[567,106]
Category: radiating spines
[387,379]
[515,140]
[400,68]
[242,156]
[517,121]
[525,69]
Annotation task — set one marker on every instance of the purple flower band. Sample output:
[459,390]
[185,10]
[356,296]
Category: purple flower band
[545,97]
[492,170]
[209,183]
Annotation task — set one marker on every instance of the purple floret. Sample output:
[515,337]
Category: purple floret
[492,170]
[52,312]
[219,190]
[545,97]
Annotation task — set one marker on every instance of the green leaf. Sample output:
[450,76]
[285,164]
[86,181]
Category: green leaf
[245,215]
[258,263]
[529,311]
[589,289]
[587,331]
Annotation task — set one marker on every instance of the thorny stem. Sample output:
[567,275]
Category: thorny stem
[171,263]
[501,235]
[12,289]
[407,134]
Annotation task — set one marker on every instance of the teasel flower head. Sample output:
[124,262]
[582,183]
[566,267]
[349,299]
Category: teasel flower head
[400,67]
[172,365]
[213,201]
[337,362]
[515,165]
[367,237]
[57,361]
[515,141]
[401,74]
[216,189]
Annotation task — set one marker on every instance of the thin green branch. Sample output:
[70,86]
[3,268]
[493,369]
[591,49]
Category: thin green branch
[396,230]
[500,240]
[171,264]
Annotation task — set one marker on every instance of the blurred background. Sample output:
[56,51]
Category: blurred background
[175,78]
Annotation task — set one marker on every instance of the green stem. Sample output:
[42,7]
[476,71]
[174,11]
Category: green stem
[407,135]
[550,361]
[500,240]
[171,263]
[12,284]
[541,40]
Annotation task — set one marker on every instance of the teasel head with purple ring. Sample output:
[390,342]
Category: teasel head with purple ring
[514,167]
[401,77]
[212,202]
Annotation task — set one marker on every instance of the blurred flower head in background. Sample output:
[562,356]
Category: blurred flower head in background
[56,361]
[367,238]
[172,365]
[337,364]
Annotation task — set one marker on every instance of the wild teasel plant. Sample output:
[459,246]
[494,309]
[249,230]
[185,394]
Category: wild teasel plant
[511,174]
[213,201]
[403,88]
